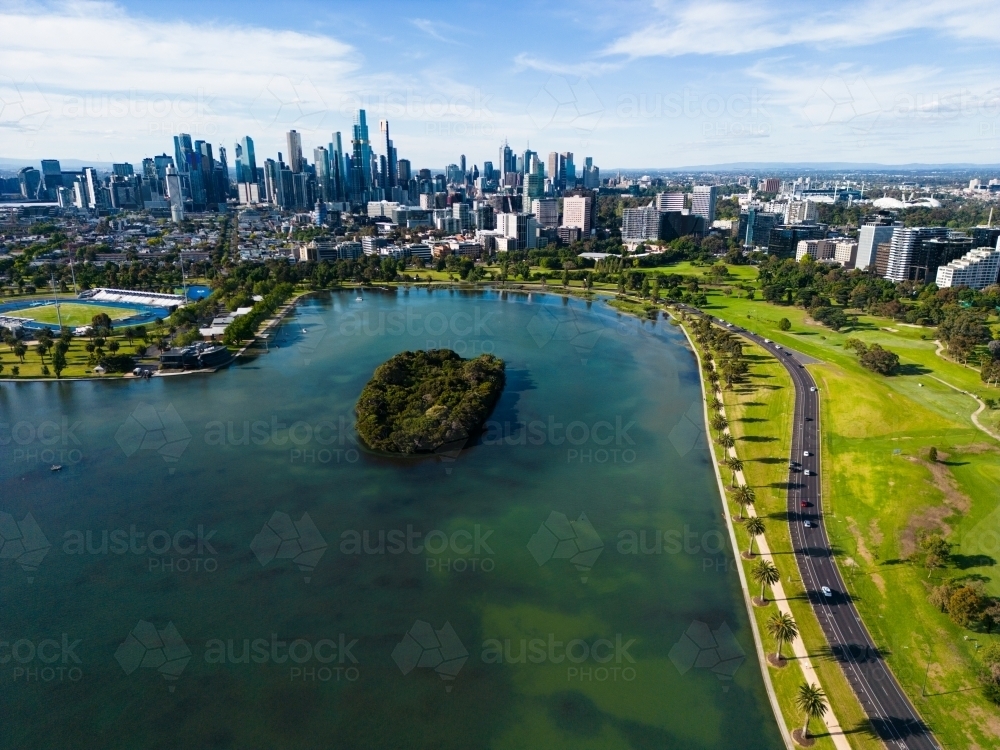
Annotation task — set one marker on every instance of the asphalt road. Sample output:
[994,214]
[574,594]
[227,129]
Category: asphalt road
[892,716]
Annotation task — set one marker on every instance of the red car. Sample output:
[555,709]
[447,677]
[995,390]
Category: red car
[806,503]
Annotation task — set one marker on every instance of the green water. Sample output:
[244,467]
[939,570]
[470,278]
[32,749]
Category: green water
[600,422]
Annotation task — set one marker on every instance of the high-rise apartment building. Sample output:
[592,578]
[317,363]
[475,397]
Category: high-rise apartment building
[391,170]
[670,201]
[546,211]
[703,202]
[871,234]
[977,269]
[578,213]
[910,257]
[801,212]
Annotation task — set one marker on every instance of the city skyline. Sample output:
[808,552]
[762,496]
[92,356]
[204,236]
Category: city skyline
[635,85]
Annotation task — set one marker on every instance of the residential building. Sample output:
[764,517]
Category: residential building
[911,258]
[519,229]
[871,234]
[976,269]
[670,201]
[816,249]
[546,211]
[846,253]
[703,202]
[578,213]
[801,212]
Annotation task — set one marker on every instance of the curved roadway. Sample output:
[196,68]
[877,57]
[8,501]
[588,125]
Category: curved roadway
[891,713]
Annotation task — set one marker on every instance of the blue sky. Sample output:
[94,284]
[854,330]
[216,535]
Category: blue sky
[633,84]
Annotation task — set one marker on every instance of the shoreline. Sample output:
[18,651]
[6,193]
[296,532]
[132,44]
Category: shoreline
[280,315]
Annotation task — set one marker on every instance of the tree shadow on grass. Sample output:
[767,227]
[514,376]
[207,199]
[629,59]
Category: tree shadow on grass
[758,439]
[964,562]
[770,460]
[913,369]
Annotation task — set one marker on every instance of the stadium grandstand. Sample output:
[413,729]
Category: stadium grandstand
[133,297]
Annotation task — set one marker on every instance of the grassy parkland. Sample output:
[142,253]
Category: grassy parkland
[902,463]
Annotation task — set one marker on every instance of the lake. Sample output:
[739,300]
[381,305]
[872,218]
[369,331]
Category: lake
[219,564]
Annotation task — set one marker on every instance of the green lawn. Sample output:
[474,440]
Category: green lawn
[73,314]
[760,418]
[879,490]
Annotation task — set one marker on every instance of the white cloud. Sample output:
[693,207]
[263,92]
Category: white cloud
[105,72]
[721,27]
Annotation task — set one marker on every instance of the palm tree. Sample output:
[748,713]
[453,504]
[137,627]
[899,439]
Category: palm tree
[811,700]
[734,465]
[715,404]
[744,496]
[765,573]
[719,423]
[755,528]
[783,629]
[726,440]
[19,351]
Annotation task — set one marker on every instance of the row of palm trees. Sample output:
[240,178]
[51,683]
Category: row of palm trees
[781,626]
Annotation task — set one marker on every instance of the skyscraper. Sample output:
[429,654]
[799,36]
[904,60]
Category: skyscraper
[403,171]
[338,168]
[174,194]
[569,171]
[246,160]
[390,156]
[506,161]
[361,159]
[703,203]
[321,160]
[294,139]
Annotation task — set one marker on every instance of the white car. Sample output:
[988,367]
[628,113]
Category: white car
[808,473]
[812,389]
[807,524]
[826,591]
[767,341]
[777,346]
[805,453]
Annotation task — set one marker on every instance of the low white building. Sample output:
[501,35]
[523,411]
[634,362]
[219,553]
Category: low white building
[976,269]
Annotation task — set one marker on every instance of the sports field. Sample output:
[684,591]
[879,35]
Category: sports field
[73,314]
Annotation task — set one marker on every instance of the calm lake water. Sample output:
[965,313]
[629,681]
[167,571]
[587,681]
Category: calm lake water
[218,564]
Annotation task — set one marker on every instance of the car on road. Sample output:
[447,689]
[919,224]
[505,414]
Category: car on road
[826,591]
[777,346]
[805,453]
[805,504]
[808,473]
[812,389]
[767,341]
[807,524]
